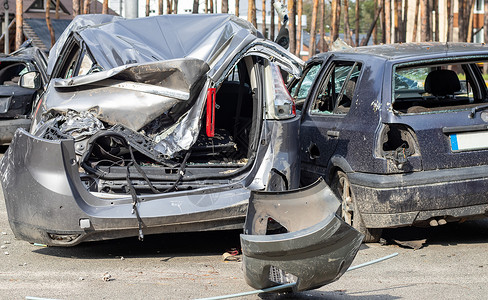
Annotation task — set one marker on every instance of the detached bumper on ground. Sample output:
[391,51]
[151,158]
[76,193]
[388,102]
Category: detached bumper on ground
[317,249]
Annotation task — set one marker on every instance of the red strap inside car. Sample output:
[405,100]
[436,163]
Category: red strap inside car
[211,112]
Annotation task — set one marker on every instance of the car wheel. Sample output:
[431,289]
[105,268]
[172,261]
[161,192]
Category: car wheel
[348,211]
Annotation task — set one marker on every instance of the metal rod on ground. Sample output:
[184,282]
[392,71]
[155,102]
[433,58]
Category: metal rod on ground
[289,285]
[372,262]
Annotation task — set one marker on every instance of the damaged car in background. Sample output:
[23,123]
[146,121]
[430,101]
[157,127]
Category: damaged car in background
[140,135]
[399,131]
[22,77]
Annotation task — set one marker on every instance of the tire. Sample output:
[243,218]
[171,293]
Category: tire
[348,211]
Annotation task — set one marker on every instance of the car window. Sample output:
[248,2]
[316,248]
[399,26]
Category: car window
[78,62]
[300,91]
[10,73]
[336,92]
[68,68]
[438,87]
[86,65]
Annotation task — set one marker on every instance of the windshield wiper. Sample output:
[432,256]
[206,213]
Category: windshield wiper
[476,109]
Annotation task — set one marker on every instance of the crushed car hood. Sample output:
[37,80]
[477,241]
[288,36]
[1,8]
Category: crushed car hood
[113,92]
[185,55]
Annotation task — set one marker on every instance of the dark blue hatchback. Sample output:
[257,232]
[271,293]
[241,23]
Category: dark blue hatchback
[400,132]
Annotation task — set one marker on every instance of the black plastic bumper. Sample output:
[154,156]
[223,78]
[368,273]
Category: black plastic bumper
[403,199]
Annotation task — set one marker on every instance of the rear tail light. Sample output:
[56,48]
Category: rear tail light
[284,105]
[397,144]
[210,124]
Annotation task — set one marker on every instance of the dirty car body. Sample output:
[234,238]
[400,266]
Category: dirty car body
[22,77]
[399,131]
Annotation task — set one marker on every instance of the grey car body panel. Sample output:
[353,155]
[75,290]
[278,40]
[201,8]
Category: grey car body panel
[122,41]
[78,22]
[441,183]
[318,248]
[55,199]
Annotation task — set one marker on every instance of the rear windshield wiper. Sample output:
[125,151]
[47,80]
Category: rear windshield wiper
[476,109]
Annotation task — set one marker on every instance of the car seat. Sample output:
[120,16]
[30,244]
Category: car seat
[441,83]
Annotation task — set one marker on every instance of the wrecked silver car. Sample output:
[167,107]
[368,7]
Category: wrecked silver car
[140,135]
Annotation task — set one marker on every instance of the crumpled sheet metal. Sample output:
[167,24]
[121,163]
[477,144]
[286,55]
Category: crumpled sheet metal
[78,22]
[130,95]
[129,41]
[250,46]
[177,75]
[183,134]
[317,249]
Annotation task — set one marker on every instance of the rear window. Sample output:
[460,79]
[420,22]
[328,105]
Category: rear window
[439,87]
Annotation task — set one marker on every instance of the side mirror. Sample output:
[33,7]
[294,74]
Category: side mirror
[30,80]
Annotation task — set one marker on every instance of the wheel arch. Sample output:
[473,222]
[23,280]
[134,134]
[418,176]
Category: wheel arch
[336,163]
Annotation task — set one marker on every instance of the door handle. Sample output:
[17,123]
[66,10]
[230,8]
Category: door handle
[333,133]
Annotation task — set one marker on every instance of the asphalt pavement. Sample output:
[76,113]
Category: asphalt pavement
[452,264]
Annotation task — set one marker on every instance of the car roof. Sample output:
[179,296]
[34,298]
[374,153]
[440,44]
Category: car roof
[115,41]
[23,54]
[412,51]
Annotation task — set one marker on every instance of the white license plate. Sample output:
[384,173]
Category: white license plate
[467,141]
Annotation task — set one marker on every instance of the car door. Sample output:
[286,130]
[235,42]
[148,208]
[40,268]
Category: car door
[325,110]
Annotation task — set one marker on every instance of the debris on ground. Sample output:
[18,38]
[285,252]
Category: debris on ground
[231,255]
[107,277]
[413,244]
